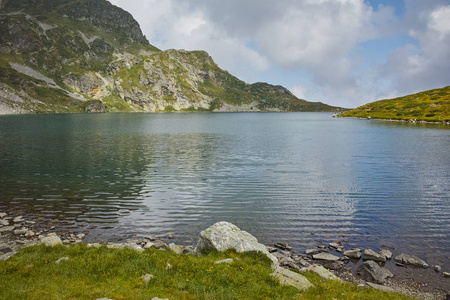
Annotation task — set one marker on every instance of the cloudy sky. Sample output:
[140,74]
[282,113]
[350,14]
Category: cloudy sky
[340,52]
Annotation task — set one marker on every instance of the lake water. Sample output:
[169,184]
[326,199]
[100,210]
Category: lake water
[301,178]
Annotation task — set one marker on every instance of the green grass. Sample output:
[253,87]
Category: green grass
[429,106]
[92,273]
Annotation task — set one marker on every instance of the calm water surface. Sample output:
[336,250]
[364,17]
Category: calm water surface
[301,178]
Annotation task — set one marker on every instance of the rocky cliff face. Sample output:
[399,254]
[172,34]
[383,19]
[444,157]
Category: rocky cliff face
[67,55]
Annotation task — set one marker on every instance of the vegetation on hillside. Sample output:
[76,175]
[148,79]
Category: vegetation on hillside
[94,273]
[429,106]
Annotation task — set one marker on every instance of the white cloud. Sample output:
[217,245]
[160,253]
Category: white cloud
[322,38]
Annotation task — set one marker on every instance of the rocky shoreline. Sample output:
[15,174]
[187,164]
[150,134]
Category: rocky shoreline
[404,273]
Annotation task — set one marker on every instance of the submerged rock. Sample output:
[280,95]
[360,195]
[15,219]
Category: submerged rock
[287,277]
[411,260]
[369,254]
[325,256]
[224,235]
[353,253]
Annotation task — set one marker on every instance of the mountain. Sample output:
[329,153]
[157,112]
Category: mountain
[89,55]
[427,106]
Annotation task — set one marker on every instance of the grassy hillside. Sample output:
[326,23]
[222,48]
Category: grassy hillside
[429,106]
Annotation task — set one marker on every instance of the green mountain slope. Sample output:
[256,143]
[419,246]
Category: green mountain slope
[89,55]
[429,106]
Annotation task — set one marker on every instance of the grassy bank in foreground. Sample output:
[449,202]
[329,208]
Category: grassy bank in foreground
[429,106]
[91,273]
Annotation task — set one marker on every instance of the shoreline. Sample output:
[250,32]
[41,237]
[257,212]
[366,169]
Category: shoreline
[416,282]
[394,120]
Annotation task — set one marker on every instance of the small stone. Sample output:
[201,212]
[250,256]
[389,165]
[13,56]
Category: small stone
[169,266]
[18,219]
[437,269]
[386,253]
[334,246]
[51,234]
[148,245]
[369,254]
[171,236]
[20,231]
[30,222]
[322,247]
[159,245]
[283,246]
[271,249]
[7,229]
[80,236]
[94,245]
[446,274]
[288,262]
[175,248]
[51,241]
[61,259]
[224,261]
[2,215]
[325,256]
[4,222]
[29,233]
[312,251]
[147,278]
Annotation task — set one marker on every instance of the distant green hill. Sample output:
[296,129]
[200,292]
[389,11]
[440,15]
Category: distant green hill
[89,55]
[429,106]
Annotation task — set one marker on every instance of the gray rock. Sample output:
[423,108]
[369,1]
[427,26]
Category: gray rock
[411,260]
[223,236]
[372,272]
[18,219]
[171,236]
[7,229]
[380,287]
[5,249]
[283,246]
[325,256]
[20,231]
[6,256]
[147,278]
[175,248]
[61,259]
[29,233]
[299,260]
[271,249]
[437,269]
[51,241]
[80,236]
[287,277]
[369,254]
[169,266]
[353,253]
[158,244]
[322,272]
[312,251]
[288,262]
[148,245]
[224,261]
[446,274]
[2,215]
[334,246]
[4,222]
[386,253]
[331,265]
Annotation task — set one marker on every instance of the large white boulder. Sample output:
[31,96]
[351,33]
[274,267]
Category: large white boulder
[224,235]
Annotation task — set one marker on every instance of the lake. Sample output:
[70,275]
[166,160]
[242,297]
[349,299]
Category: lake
[301,178]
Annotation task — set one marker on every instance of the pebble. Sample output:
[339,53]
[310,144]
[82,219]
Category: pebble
[386,253]
[171,236]
[4,222]
[147,278]
[20,231]
[437,269]
[61,259]
[2,215]
[7,228]
[446,274]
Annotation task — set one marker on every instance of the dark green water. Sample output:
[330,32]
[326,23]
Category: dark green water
[301,178]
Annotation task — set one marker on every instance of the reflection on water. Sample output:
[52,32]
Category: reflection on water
[302,178]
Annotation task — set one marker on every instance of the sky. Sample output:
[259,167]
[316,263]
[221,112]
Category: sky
[340,52]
